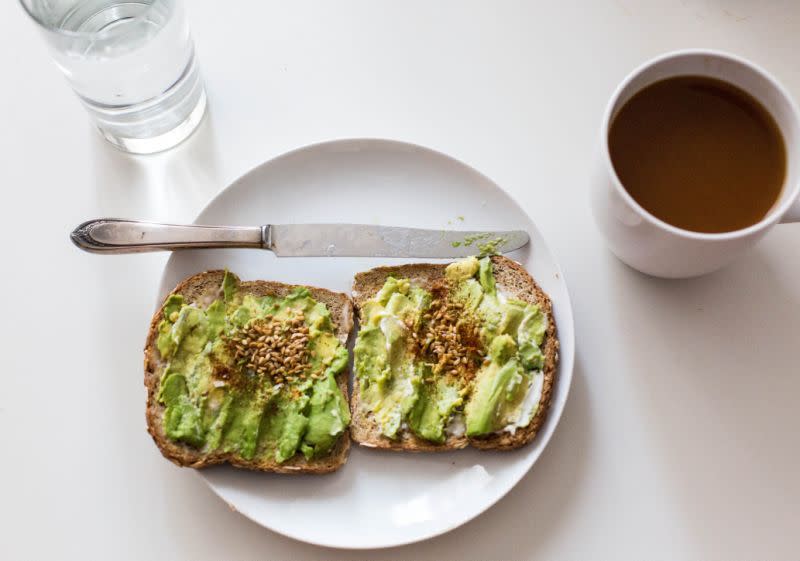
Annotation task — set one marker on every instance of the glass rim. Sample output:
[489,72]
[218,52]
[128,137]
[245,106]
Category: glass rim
[82,34]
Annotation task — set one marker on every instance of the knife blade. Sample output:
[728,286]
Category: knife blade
[110,235]
[364,240]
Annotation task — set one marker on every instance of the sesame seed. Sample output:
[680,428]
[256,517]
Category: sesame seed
[270,347]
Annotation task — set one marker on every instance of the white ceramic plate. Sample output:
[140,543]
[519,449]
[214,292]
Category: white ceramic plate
[378,499]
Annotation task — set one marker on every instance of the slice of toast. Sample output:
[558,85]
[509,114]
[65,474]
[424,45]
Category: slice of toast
[513,280]
[202,289]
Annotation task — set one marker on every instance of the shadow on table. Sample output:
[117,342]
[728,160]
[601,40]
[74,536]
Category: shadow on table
[169,186]
[713,362]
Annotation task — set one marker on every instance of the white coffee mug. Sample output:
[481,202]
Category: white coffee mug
[649,244]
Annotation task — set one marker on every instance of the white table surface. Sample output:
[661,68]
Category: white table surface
[680,436]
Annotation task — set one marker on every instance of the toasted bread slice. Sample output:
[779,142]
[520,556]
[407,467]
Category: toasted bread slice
[202,289]
[513,280]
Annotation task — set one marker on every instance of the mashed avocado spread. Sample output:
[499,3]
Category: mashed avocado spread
[252,375]
[460,357]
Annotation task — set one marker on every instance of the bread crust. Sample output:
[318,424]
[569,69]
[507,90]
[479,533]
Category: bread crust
[203,288]
[513,279]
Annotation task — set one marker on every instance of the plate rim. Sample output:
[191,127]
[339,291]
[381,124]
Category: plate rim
[554,415]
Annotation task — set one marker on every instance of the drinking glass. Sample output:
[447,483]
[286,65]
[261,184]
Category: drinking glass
[132,64]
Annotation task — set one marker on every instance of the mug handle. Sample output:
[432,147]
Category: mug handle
[793,214]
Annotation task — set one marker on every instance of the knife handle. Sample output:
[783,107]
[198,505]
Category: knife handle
[111,235]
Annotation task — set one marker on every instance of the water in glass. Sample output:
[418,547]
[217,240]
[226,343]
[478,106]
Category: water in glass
[131,63]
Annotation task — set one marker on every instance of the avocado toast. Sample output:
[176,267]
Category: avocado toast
[451,355]
[249,373]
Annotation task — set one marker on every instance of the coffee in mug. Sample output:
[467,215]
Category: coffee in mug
[698,158]
[699,153]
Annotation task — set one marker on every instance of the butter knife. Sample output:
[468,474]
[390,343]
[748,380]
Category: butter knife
[110,235]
